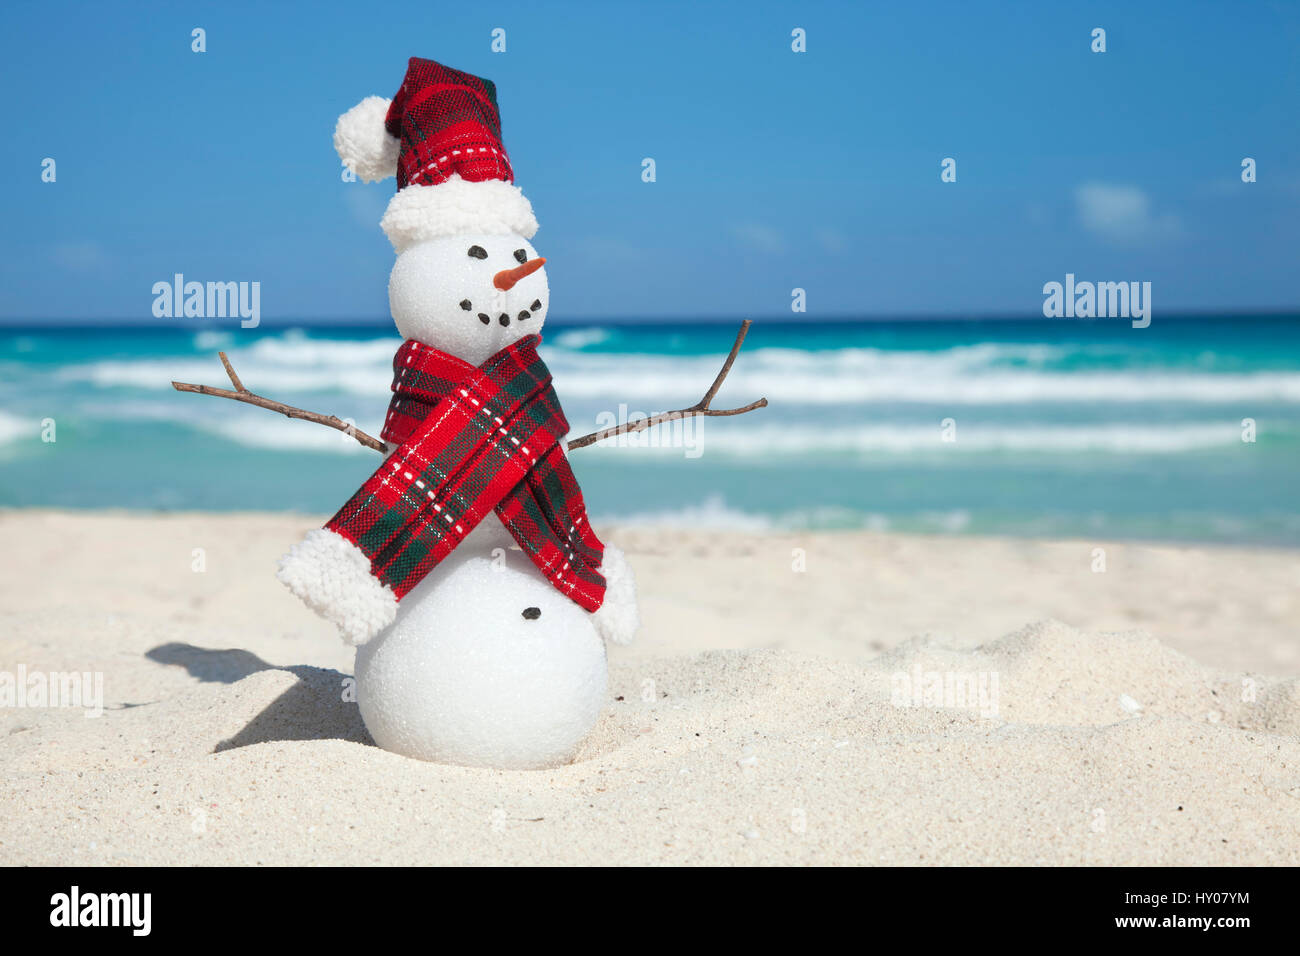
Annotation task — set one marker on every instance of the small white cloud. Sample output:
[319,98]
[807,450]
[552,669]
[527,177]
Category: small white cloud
[608,251]
[760,237]
[367,206]
[1122,213]
[86,257]
[832,240]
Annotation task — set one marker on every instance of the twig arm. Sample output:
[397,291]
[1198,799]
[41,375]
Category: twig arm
[230,370]
[699,408]
[726,366]
[241,394]
[642,424]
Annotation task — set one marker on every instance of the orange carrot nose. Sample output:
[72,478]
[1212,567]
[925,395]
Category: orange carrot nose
[506,279]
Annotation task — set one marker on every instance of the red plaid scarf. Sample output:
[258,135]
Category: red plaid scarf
[471,440]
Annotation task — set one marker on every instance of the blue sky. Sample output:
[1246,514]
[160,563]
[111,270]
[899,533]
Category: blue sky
[775,170]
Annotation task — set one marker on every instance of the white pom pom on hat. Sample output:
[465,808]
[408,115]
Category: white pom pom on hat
[364,144]
[441,136]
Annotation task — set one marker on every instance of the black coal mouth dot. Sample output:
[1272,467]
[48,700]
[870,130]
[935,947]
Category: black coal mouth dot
[532,613]
[523,315]
[537,304]
[503,319]
[466,304]
[484,318]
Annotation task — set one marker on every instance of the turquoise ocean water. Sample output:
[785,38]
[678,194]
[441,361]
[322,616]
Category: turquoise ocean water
[1062,428]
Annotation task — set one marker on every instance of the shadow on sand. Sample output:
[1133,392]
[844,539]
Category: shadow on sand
[312,709]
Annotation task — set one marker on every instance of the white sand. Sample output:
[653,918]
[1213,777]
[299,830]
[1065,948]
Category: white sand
[758,722]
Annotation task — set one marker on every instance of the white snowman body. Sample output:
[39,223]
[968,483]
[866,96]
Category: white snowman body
[486,665]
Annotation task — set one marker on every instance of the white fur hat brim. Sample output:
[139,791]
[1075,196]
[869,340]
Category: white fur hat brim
[493,207]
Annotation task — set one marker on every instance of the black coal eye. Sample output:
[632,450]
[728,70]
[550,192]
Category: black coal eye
[521,256]
[478,252]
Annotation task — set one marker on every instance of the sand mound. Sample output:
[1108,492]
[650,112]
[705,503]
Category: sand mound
[1046,746]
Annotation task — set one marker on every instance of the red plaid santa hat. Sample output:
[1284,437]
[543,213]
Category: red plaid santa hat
[441,136]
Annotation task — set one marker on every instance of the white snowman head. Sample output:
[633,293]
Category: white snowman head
[467,281]
[470,295]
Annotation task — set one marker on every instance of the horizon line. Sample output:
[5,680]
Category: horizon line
[197,324]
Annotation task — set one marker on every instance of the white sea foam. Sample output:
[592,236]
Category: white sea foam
[294,363]
[738,438]
[750,440]
[747,438]
[13,428]
[282,434]
[580,338]
[252,428]
[271,378]
[714,513]
[862,376]
[297,349]
[901,439]
[213,340]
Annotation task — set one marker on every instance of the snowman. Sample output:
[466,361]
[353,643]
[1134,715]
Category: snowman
[465,570]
